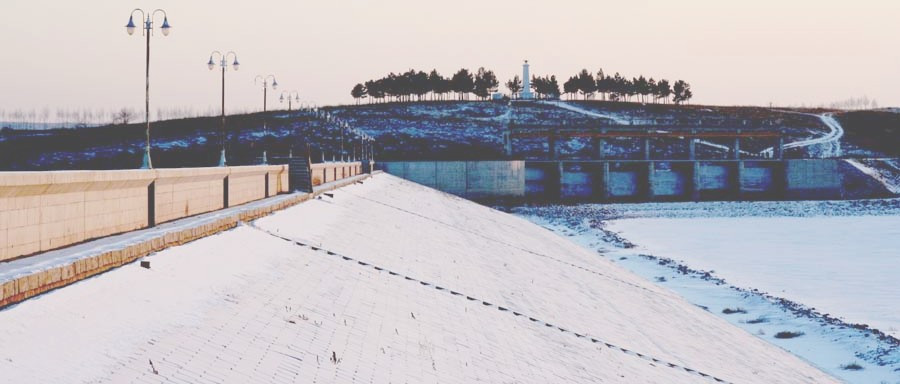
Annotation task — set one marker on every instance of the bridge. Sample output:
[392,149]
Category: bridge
[645,132]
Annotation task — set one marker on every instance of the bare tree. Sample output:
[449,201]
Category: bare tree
[123,116]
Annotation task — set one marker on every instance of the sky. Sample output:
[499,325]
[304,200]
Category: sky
[76,54]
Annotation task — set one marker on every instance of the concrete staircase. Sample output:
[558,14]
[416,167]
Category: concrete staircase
[300,179]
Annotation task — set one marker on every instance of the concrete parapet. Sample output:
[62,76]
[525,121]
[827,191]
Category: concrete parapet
[322,173]
[819,178]
[469,179]
[47,210]
[49,275]
[40,211]
[493,179]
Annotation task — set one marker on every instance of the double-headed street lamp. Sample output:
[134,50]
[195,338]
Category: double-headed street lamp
[223,62]
[147,31]
[265,87]
[291,97]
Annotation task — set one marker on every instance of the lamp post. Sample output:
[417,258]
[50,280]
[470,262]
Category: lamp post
[291,97]
[147,30]
[265,87]
[223,62]
[342,126]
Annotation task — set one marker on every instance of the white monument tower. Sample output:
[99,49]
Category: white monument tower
[526,83]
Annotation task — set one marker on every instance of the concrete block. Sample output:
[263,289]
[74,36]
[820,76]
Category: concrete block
[757,178]
[669,183]
[577,182]
[451,177]
[623,183]
[422,172]
[495,179]
[714,176]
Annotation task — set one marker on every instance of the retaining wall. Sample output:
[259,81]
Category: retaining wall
[469,179]
[322,173]
[40,211]
[60,270]
[632,180]
[816,178]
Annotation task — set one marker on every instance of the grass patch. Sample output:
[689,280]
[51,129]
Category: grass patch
[854,366]
[788,335]
[731,311]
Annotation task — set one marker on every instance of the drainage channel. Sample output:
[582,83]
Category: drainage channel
[485,303]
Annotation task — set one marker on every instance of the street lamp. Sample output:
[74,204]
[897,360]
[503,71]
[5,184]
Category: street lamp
[223,62]
[147,31]
[290,99]
[265,87]
[342,126]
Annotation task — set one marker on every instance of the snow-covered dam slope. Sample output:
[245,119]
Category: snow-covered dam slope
[386,281]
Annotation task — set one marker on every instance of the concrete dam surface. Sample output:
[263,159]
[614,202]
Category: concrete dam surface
[620,180]
[380,281]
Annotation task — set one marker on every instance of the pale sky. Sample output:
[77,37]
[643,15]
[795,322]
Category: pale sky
[77,54]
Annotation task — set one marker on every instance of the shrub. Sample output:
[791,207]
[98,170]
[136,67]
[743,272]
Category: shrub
[730,311]
[788,335]
[854,366]
[758,320]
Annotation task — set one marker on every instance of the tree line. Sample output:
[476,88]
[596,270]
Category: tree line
[619,88]
[45,118]
[412,84]
[418,84]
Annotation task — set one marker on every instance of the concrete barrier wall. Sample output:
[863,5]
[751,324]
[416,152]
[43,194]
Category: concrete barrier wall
[714,176]
[628,180]
[813,178]
[757,178]
[322,173]
[624,183]
[536,181]
[40,211]
[577,182]
[46,210]
[187,192]
[495,179]
[670,183]
[470,179]
[61,272]
[451,177]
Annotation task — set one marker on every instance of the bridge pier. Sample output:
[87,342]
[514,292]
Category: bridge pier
[692,146]
[604,189]
[507,141]
[779,148]
[646,148]
[600,146]
[695,180]
[551,147]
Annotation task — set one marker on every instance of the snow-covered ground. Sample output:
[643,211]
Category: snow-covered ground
[572,107]
[885,171]
[810,267]
[845,266]
[827,145]
[386,281]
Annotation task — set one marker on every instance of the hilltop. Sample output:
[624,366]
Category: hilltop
[432,130]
